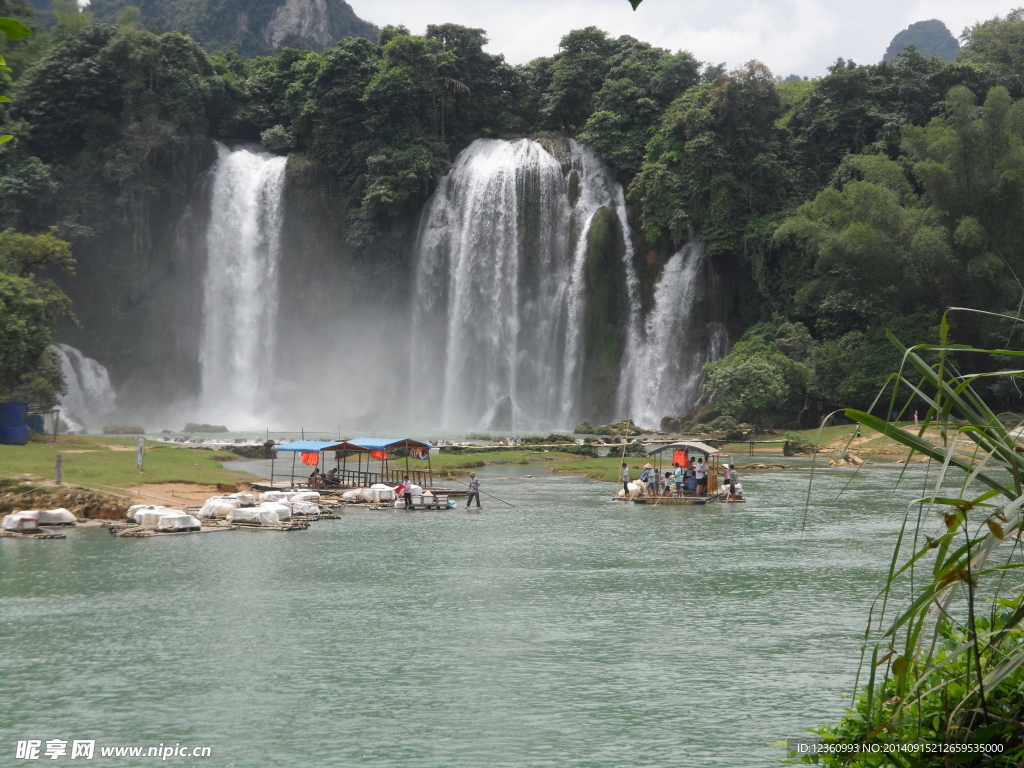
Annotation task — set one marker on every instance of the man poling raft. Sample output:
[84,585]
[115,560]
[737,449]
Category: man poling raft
[488,495]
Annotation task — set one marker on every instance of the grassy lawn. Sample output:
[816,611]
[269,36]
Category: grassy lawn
[93,460]
[598,469]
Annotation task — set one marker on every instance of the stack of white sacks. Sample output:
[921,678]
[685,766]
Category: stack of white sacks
[273,506]
[162,518]
[635,489]
[418,497]
[21,522]
[30,519]
[375,494]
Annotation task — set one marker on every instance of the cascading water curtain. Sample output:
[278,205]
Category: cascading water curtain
[662,372]
[499,302]
[241,285]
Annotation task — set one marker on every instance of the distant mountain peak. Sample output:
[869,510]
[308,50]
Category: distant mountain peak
[931,38]
[250,27]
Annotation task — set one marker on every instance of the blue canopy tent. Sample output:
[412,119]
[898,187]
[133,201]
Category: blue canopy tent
[300,446]
[385,444]
[359,446]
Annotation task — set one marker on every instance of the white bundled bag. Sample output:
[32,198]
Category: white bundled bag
[281,510]
[175,520]
[146,514]
[267,516]
[273,496]
[312,496]
[304,508]
[244,515]
[635,489]
[23,522]
[383,492]
[244,499]
[354,495]
[59,516]
[219,506]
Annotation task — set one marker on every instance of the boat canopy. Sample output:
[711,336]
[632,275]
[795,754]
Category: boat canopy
[383,443]
[689,445]
[310,446]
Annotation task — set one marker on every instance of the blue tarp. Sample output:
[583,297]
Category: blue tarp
[378,443]
[307,446]
[13,430]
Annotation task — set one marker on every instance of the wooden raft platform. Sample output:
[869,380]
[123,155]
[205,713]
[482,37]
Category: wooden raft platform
[677,501]
[40,535]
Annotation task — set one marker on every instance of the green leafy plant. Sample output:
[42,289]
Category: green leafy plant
[947,662]
[14,30]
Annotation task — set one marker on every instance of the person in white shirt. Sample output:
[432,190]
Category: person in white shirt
[701,473]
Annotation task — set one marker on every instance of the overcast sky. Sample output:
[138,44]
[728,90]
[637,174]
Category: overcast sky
[790,36]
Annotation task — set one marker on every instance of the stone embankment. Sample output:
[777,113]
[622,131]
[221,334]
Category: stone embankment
[83,502]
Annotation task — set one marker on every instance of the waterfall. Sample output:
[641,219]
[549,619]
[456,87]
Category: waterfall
[89,396]
[661,375]
[241,284]
[499,299]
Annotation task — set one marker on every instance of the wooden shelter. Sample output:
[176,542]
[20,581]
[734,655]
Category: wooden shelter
[378,449]
[692,448]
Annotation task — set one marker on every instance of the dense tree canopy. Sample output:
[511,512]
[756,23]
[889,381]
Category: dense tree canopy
[865,200]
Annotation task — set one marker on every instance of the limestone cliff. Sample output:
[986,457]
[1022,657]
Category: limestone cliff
[250,27]
[301,18]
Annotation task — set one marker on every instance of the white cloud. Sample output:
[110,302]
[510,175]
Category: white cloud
[790,36]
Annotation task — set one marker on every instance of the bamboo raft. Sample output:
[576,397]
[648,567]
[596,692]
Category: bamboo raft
[39,535]
[132,530]
[678,501]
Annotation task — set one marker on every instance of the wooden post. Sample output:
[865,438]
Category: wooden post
[293,470]
[58,471]
[430,472]
[273,455]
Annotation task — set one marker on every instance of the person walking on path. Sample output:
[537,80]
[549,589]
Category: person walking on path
[474,491]
[625,479]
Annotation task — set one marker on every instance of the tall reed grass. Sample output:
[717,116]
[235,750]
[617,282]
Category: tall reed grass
[941,681]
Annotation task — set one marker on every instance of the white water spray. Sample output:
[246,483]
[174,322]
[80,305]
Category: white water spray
[499,301]
[90,396]
[661,375]
[241,285]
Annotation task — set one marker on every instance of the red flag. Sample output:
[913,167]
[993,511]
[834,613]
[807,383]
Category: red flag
[310,458]
[681,458]
[378,455]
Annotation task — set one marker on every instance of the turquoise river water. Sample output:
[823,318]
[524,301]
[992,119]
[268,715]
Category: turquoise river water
[570,630]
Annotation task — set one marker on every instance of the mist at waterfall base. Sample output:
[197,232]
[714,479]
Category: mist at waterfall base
[481,329]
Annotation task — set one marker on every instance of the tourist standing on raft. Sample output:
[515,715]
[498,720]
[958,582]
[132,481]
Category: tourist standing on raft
[701,473]
[474,491]
[652,479]
[625,479]
[407,492]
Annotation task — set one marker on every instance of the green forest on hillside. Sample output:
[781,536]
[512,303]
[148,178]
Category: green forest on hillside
[866,200]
